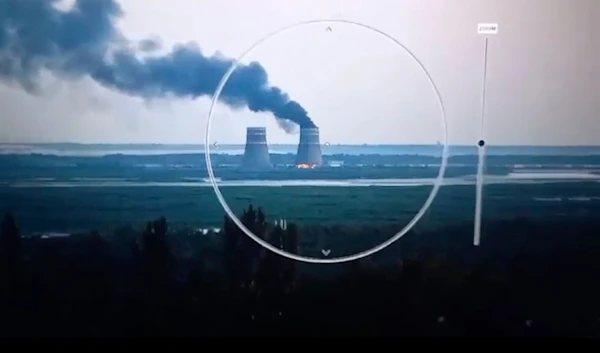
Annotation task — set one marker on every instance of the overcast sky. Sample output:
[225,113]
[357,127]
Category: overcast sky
[359,87]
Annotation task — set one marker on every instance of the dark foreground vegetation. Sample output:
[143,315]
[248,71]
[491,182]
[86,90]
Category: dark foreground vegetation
[149,284]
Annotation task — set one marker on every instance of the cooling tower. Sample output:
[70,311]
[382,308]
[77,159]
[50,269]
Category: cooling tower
[256,152]
[309,148]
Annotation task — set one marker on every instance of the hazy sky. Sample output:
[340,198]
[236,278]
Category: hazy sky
[358,87]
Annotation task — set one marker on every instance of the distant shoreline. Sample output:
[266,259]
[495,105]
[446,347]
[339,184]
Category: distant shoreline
[201,146]
[334,151]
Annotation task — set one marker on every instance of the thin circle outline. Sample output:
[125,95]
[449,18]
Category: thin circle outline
[357,256]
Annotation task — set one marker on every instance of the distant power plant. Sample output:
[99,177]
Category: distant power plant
[309,148]
[256,151]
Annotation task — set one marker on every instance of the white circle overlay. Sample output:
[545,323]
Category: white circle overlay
[436,186]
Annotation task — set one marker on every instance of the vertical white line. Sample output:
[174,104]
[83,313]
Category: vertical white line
[479,194]
[480,155]
[483,89]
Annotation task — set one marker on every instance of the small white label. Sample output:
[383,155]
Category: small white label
[487,28]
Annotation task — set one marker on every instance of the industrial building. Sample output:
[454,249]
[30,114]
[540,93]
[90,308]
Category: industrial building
[309,149]
[256,151]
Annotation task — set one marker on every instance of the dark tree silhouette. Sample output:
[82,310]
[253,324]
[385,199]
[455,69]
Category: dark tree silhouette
[232,260]
[85,285]
[155,257]
[241,254]
[289,242]
[10,241]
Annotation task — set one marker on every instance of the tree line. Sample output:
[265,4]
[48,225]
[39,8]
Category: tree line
[90,285]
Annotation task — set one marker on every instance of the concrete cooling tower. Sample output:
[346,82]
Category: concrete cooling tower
[309,149]
[256,152]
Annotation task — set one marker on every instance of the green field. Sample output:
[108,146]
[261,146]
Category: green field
[82,208]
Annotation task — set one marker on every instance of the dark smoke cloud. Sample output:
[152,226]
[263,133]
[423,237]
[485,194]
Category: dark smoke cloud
[83,41]
[149,45]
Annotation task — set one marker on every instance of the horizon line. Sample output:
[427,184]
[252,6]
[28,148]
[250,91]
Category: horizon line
[293,144]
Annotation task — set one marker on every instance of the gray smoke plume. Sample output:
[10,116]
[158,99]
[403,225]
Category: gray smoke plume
[83,41]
